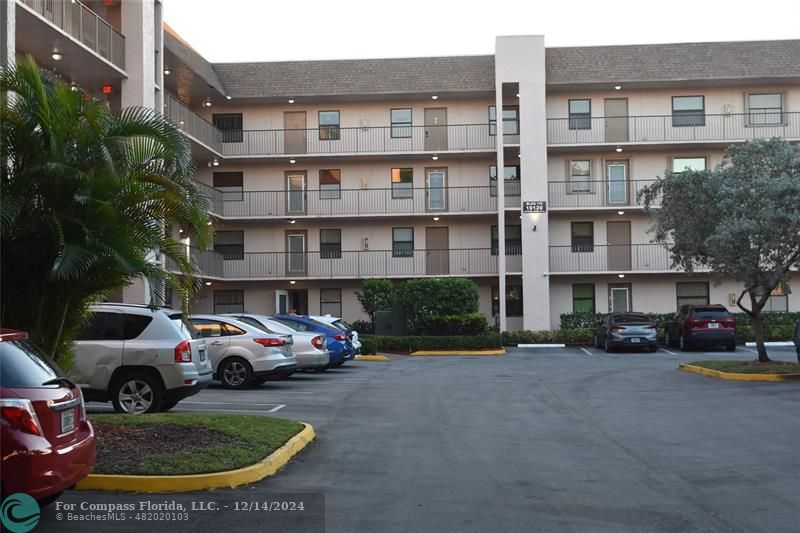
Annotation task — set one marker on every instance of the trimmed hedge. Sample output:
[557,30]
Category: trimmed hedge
[469,324]
[769,318]
[426,298]
[368,345]
[556,336]
[413,343]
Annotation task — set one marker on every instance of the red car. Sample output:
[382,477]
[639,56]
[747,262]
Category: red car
[701,325]
[46,441]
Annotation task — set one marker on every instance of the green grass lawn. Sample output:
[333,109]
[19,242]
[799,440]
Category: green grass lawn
[750,367]
[183,443]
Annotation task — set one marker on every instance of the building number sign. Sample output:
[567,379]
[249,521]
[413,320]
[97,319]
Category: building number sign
[534,207]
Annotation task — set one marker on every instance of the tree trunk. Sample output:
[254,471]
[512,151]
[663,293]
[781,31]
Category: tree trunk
[57,339]
[758,330]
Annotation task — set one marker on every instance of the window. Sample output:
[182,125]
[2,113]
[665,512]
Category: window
[330,184]
[580,114]
[688,111]
[580,176]
[681,164]
[230,124]
[330,302]
[583,298]
[513,300]
[330,243]
[230,244]
[513,239]
[231,185]
[766,108]
[583,237]
[402,183]
[329,126]
[692,293]
[510,120]
[103,326]
[229,301]
[512,180]
[778,300]
[402,242]
[401,123]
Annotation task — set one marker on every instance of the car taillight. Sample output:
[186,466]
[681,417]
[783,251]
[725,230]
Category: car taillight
[729,322]
[20,414]
[183,352]
[318,342]
[270,342]
[617,328]
[651,326]
[340,337]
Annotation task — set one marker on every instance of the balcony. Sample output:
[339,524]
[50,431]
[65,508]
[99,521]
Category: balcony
[731,127]
[568,195]
[349,264]
[193,125]
[359,202]
[84,25]
[610,258]
[328,140]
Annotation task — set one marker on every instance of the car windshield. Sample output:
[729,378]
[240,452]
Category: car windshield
[630,317]
[710,312]
[341,324]
[23,365]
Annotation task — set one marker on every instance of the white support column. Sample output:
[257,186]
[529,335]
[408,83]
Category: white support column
[8,29]
[501,202]
[139,29]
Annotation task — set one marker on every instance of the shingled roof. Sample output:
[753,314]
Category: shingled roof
[188,55]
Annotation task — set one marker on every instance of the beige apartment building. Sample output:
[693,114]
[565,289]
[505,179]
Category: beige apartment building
[324,173]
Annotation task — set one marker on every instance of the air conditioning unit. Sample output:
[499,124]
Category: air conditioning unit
[732,299]
[365,243]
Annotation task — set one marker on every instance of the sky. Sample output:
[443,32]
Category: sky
[284,30]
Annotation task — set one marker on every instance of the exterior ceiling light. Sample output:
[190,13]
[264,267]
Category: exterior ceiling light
[620,212]
[56,55]
[292,161]
[517,95]
[215,162]
[620,276]
[435,97]
[208,283]
[291,100]
[207,102]
[435,157]
[436,219]
[292,282]
[166,72]
[228,96]
[618,149]
[292,221]
[617,87]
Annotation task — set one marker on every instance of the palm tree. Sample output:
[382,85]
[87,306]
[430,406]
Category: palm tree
[88,198]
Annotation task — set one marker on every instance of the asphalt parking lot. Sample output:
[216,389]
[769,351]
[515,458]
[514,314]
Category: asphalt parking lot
[564,440]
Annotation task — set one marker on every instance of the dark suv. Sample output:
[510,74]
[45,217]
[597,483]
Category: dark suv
[701,325]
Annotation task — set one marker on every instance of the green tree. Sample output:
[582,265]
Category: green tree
[378,295]
[426,298]
[87,197]
[740,220]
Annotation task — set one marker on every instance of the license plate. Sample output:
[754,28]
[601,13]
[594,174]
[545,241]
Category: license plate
[67,420]
[713,325]
[202,355]
[636,340]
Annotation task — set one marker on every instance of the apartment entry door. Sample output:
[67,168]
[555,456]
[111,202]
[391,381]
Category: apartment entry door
[281,302]
[296,193]
[617,182]
[437,251]
[616,111]
[294,124]
[293,301]
[619,298]
[618,235]
[436,189]
[435,129]
[296,263]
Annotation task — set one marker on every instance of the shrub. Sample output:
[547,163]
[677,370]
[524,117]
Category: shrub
[378,295]
[368,346]
[413,343]
[363,327]
[771,333]
[471,324]
[559,336]
[590,320]
[426,298]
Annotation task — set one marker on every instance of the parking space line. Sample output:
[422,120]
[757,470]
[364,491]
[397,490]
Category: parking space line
[671,353]
[228,403]
[278,408]
[201,410]
[587,351]
[748,349]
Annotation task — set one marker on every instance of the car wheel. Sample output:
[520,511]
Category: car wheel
[606,346]
[136,393]
[235,373]
[166,406]
[654,348]
[595,342]
[731,347]
[683,343]
[667,339]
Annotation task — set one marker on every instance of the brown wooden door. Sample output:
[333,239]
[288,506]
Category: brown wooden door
[618,235]
[616,111]
[294,122]
[437,251]
[435,129]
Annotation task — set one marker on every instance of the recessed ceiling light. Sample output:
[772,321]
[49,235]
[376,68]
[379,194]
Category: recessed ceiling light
[207,103]
[56,55]
[520,217]
[291,100]
[620,276]
[436,219]
[434,97]
[620,212]
[519,155]
[618,149]
[228,96]
[617,87]
[292,161]
[517,95]
[166,72]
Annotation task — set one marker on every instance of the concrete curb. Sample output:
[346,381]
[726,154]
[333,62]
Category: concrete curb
[371,358]
[541,345]
[771,343]
[500,351]
[732,376]
[214,480]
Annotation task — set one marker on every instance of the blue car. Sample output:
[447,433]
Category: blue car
[339,343]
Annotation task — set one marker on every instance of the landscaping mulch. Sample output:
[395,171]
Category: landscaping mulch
[121,447]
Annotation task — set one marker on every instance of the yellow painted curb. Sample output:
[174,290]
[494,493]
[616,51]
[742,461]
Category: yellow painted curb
[215,480]
[733,376]
[371,358]
[501,351]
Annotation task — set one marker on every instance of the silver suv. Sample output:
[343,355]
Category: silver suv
[243,355]
[141,359]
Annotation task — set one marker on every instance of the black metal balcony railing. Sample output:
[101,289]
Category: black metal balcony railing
[666,128]
[354,202]
[347,264]
[578,194]
[80,22]
[367,139]
[610,258]
[192,123]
